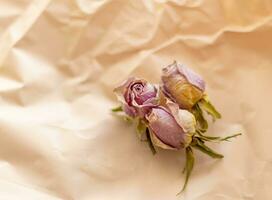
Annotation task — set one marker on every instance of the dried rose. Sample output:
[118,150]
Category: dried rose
[182,85]
[137,96]
[170,124]
[186,88]
[171,127]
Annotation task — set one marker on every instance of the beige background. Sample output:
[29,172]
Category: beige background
[60,60]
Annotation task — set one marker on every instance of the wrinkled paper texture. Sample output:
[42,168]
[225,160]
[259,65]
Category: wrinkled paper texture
[61,59]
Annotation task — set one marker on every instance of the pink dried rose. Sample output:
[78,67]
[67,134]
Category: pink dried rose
[171,127]
[186,88]
[171,117]
[182,85]
[137,96]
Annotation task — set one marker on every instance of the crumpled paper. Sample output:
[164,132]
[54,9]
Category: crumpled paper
[60,61]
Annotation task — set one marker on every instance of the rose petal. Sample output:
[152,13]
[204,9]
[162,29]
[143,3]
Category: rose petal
[182,85]
[192,77]
[183,117]
[121,90]
[130,111]
[157,142]
[137,96]
[170,69]
[188,121]
[165,127]
[148,91]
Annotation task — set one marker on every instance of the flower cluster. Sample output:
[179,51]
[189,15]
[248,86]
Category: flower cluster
[171,115]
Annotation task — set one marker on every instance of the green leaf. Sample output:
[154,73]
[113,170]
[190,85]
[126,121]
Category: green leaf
[202,123]
[207,138]
[141,128]
[229,137]
[190,160]
[199,145]
[216,138]
[117,109]
[150,144]
[206,105]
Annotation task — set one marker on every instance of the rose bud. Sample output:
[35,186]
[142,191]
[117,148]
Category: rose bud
[182,85]
[137,96]
[171,127]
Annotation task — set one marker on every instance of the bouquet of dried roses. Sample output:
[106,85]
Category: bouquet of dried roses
[171,115]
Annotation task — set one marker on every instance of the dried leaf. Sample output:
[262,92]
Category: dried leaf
[198,144]
[117,109]
[216,138]
[207,138]
[206,105]
[150,143]
[190,160]
[123,116]
[141,128]
[229,137]
[202,123]
[128,119]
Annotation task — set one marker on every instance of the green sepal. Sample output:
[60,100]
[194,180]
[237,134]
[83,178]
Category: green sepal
[207,106]
[117,109]
[199,145]
[141,128]
[125,117]
[128,119]
[190,160]
[150,143]
[201,122]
